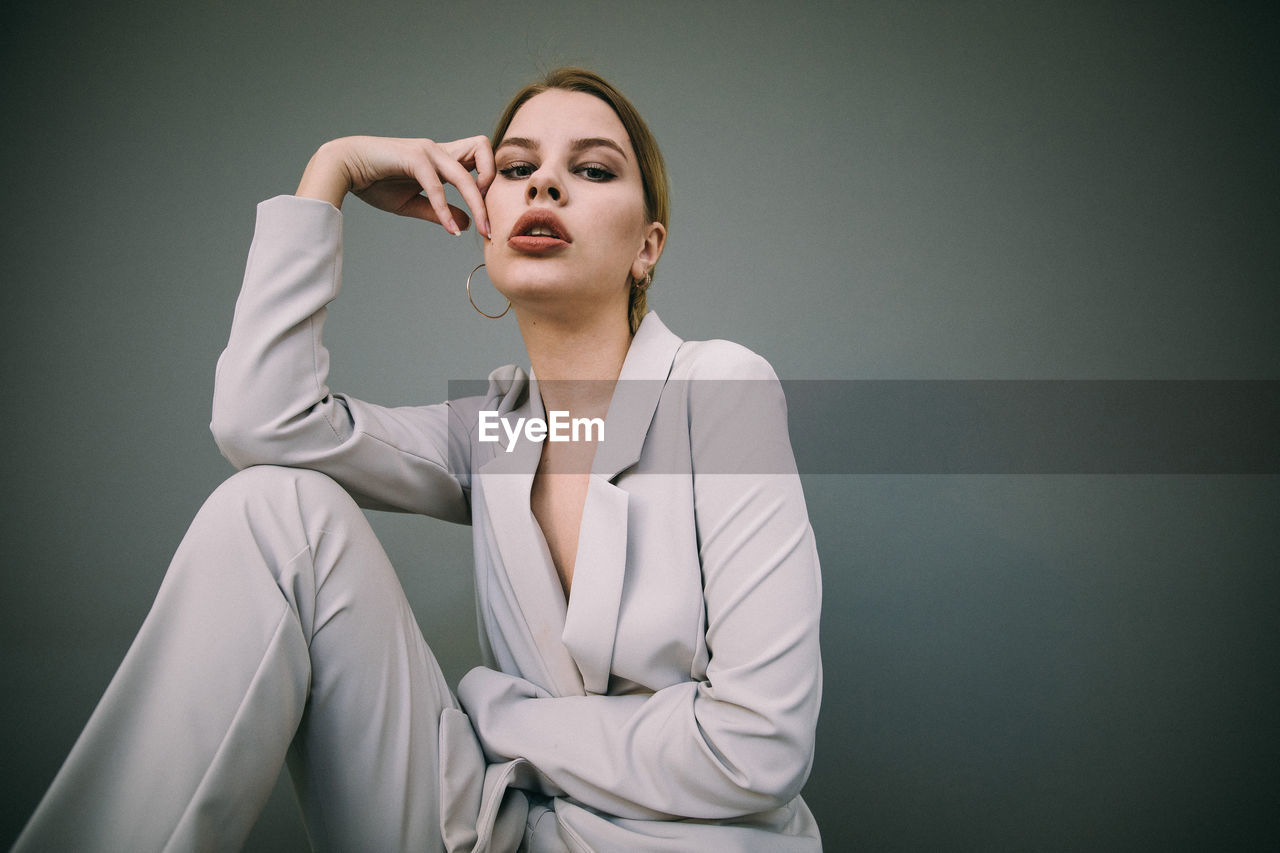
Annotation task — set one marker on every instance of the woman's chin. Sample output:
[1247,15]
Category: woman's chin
[546,289]
[536,286]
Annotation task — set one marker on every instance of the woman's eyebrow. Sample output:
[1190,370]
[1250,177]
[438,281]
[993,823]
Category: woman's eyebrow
[580,145]
[577,146]
[517,142]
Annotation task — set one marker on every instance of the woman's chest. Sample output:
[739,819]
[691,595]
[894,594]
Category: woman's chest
[557,501]
[634,611]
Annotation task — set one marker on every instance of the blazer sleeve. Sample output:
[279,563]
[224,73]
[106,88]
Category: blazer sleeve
[271,403]
[741,740]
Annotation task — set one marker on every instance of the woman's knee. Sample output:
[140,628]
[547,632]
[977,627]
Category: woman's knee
[277,485]
[288,522]
[272,501]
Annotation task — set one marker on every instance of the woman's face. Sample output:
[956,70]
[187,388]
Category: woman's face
[566,211]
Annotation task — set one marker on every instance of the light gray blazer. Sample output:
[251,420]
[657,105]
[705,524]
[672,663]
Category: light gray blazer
[671,704]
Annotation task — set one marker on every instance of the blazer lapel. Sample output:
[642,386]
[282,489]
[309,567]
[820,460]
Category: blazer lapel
[526,563]
[591,620]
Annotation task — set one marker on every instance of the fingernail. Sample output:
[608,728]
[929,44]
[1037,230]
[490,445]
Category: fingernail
[453,227]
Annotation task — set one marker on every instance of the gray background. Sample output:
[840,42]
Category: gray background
[877,190]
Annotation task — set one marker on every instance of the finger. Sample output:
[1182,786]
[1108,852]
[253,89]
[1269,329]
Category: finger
[392,194]
[434,191]
[420,207]
[482,161]
[476,154]
[457,174]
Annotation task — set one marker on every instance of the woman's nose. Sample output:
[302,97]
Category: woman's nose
[544,184]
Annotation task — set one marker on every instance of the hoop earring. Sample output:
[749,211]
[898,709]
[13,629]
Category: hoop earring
[643,284]
[473,302]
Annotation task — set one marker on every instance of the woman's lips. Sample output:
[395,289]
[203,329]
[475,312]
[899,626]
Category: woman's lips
[536,245]
[539,232]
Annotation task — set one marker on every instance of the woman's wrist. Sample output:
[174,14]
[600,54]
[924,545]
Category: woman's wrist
[326,177]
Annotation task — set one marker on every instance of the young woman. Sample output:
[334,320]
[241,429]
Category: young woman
[648,590]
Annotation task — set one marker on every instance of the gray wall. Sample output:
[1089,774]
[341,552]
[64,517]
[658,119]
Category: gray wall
[877,190]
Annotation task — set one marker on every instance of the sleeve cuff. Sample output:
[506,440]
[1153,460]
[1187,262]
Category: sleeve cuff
[294,217]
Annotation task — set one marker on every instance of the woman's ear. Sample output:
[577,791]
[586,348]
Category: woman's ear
[655,237]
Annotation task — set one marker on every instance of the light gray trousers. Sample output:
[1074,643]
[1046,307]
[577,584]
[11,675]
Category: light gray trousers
[280,632]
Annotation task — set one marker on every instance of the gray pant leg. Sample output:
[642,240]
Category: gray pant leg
[279,628]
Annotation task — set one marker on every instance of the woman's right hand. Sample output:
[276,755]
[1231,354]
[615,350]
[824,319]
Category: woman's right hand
[405,176]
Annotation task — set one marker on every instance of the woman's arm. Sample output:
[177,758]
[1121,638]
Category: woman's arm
[741,740]
[271,401]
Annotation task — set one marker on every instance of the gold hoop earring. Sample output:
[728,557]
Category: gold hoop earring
[639,284]
[473,302]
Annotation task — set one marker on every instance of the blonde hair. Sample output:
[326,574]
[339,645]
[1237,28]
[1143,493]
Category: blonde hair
[653,170]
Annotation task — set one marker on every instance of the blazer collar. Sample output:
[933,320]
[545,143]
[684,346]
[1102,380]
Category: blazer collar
[635,398]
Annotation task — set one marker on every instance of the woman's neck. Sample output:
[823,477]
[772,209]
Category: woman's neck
[576,360]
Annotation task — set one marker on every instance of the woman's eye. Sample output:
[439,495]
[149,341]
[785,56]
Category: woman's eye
[516,171]
[596,173]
